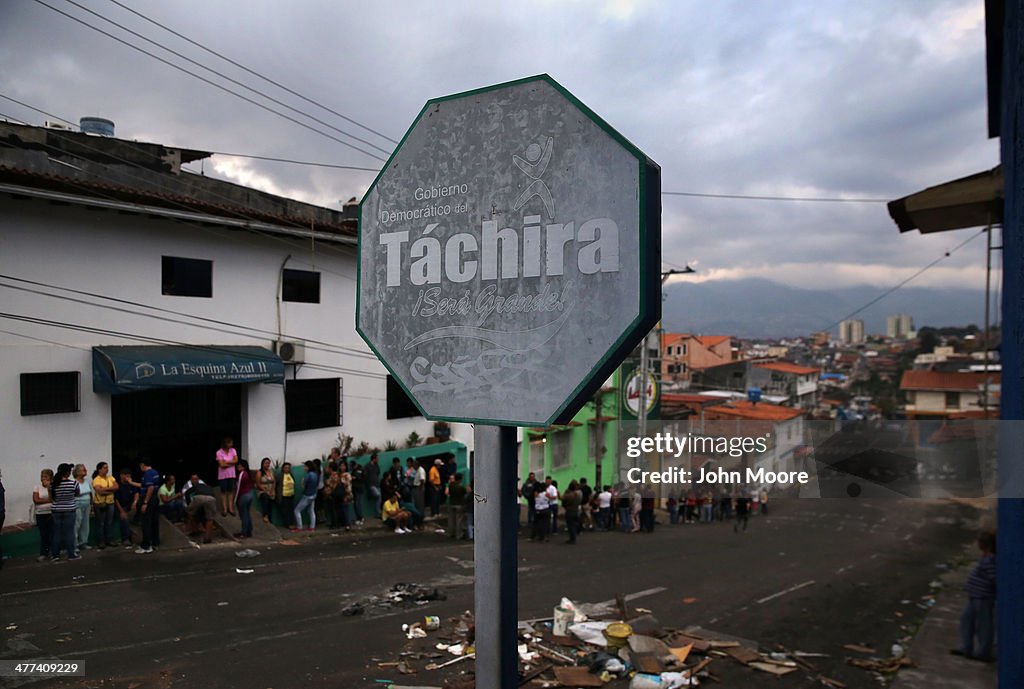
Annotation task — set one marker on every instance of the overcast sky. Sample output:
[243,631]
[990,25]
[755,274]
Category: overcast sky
[870,99]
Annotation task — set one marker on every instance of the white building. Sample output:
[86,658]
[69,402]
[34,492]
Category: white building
[899,326]
[851,331]
[107,243]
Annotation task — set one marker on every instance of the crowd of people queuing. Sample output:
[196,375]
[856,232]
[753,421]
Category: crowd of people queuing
[76,510]
[630,509]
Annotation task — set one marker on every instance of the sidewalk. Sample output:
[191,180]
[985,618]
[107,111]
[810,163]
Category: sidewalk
[936,667]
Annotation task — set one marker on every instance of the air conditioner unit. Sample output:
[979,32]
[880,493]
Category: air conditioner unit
[290,352]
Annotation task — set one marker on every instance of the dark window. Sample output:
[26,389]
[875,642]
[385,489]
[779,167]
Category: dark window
[400,405]
[952,400]
[49,393]
[300,285]
[186,277]
[312,403]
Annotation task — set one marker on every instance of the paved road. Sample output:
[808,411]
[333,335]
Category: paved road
[813,575]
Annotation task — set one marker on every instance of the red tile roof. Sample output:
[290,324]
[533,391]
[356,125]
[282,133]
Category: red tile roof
[762,411]
[687,398]
[705,340]
[672,338]
[786,367]
[946,380]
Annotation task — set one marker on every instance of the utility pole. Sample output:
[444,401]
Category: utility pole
[599,437]
[642,409]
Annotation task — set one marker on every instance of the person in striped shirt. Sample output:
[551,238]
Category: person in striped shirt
[978,618]
[64,491]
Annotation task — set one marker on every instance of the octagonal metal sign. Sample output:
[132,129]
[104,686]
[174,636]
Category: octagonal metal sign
[509,255]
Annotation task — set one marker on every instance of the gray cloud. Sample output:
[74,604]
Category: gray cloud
[868,99]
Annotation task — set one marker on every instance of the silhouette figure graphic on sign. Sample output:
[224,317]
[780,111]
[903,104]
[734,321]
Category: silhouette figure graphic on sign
[535,165]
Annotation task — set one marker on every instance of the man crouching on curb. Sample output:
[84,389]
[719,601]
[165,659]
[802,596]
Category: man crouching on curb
[202,507]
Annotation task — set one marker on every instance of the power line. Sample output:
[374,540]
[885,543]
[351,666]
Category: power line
[215,84]
[748,197]
[40,339]
[78,327]
[294,162]
[904,282]
[328,347]
[226,77]
[253,72]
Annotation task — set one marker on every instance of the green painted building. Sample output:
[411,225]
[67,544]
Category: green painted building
[569,452]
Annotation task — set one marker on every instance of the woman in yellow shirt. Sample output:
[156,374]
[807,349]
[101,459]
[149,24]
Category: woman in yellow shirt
[104,486]
[286,495]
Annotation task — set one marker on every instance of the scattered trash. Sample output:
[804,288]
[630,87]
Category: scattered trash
[897,651]
[643,680]
[288,541]
[772,668]
[878,665]
[222,604]
[354,609]
[11,627]
[576,676]
[591,645]
[435,666]
[647,625]
[590,632]
[248,552]
[683,653]
[617,634]
[439,531]
[244,571]
[414,631]
[743,655]
[689,599]
[674,680]
[563,618]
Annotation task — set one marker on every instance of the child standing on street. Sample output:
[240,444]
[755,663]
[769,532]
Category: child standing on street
[978,618]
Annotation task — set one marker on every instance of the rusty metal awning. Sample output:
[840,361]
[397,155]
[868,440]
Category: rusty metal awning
[973,201]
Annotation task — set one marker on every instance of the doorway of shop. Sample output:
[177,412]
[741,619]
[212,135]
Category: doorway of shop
[178,429]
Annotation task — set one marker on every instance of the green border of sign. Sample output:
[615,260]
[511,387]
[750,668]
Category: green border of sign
[650,248]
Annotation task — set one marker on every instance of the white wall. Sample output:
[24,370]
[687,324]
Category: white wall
[120,256]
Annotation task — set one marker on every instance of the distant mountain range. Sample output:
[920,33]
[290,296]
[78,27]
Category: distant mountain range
[762,308]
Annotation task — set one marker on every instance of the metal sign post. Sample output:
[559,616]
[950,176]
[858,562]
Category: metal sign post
[509,259]
[495,552]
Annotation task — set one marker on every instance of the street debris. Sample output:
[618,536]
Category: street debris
[607,645]
[248,552]
[244,571]
[400,595]
[886,665]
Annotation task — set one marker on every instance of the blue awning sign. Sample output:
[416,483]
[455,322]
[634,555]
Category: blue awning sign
[123,369]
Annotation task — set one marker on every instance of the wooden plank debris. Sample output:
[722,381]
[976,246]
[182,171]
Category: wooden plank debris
[577,676]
